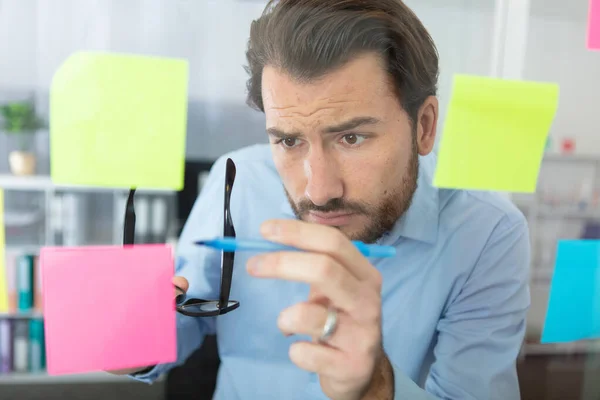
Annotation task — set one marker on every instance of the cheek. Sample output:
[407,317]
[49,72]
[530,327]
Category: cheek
[374,176]
[291,173]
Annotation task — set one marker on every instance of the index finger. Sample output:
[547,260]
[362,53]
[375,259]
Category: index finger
[320,239]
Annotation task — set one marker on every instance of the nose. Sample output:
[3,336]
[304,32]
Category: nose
[323,180]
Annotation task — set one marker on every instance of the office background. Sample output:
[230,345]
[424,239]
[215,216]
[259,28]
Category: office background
[539,40]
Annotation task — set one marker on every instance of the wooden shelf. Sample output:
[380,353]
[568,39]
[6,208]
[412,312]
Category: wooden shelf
[21,315]
[579,347]
[16,248]
[42,377]
[546,211]
[44,183]
[557,157]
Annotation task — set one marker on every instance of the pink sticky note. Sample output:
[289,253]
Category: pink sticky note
[108,307]
[593,39]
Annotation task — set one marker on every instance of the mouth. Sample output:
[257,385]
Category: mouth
[330,218]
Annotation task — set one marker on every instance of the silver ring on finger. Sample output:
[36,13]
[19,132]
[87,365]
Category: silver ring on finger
[330,325]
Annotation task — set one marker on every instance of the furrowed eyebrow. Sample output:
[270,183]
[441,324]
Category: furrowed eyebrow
[344,126]
[351,124]
[279,134]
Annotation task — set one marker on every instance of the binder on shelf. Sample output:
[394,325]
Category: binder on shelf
[11,281]
[120,204]
[6,359]
[74,219]
[56,218]
[37,286]
[3,283]
[37,359]
[25,282]
[142,215]
[159,220]
[20,345]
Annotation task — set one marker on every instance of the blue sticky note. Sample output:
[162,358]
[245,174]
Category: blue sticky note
[573,307]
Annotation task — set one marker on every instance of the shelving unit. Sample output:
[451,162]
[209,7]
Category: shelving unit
[43,187]
[567,201]
[40,213]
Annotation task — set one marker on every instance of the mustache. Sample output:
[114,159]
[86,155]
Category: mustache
[339,204]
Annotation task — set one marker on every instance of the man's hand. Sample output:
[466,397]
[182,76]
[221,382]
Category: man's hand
[178,281]
[351,361]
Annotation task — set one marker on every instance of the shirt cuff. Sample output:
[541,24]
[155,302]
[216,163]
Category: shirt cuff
[406,388]
[190,333]
[149,376]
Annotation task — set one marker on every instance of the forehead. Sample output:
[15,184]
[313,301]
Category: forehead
[360,86]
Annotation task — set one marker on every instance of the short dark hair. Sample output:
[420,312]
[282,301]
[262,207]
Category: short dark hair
[309,38]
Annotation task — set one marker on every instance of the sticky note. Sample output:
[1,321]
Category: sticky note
[574,304]
[593,37]
[3,283]
[119,120]
[108,307]
[494,134]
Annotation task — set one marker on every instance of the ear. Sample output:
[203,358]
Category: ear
[427,125]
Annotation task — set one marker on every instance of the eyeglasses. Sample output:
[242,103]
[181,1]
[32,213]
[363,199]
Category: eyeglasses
[200,307]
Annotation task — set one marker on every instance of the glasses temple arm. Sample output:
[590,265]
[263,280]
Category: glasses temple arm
[129,225]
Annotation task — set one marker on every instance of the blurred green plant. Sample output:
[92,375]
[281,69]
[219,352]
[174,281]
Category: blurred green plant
[20,119]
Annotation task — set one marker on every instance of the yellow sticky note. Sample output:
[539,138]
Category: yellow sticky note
[3,285]
[495,133]
[119,120]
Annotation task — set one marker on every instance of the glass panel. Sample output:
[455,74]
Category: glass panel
[566,205]
[212,35]
[463,33]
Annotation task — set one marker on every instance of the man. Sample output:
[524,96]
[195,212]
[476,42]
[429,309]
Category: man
[348,90]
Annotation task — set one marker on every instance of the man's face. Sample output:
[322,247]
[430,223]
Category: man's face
[344,147]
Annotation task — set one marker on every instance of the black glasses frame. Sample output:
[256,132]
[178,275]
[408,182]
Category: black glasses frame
[200,307]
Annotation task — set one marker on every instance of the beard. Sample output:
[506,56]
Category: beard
[382,216]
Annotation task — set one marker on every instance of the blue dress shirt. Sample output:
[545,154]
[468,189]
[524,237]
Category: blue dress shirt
[454,298]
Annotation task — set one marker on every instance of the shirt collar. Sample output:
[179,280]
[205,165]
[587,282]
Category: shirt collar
[420,221]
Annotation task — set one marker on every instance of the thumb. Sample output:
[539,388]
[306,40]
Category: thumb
[181,285]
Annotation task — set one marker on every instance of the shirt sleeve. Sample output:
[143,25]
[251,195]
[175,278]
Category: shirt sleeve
[406,388]
[199,265]
[481,332]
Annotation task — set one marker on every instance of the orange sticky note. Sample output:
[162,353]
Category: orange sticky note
[108,307]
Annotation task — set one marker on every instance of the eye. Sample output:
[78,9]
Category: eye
[289,142]
[353,139]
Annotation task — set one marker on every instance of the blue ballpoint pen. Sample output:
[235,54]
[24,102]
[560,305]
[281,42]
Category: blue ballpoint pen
[229,244]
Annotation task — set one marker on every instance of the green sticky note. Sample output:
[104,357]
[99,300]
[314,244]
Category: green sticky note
[119,120]
[495,133]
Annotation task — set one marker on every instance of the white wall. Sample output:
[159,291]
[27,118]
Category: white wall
[463,33]
[37,36]
[17,44]
[556,52]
